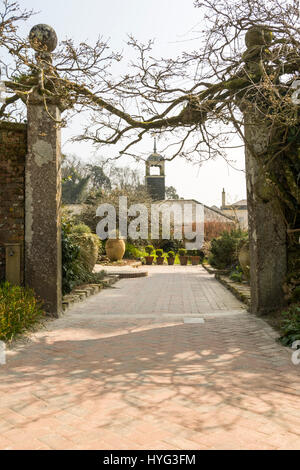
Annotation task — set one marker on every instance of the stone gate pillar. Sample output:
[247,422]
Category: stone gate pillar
[267,228]
[43,265]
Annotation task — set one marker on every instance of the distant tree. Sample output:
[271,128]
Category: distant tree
[124,177]
[171,193]
[74,180]
[82,182]
[98,179]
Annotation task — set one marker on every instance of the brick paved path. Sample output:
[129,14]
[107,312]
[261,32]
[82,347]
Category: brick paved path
[123,371]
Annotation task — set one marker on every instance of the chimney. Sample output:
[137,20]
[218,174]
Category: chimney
[223,198]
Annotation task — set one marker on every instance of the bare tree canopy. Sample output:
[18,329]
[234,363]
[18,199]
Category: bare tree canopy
[247,59]
[221,76]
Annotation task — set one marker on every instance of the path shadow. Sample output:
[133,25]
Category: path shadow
[155,368]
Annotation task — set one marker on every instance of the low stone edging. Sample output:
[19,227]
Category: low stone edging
[82,293]
[212,270]
[239,290]
[129,274]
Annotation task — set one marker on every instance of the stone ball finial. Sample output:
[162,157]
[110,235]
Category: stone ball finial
[258,36]
[43,38]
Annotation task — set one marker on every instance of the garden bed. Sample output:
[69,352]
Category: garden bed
[239,289]
[20,312]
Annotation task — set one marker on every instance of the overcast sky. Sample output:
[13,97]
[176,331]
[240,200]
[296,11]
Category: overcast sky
[171,24]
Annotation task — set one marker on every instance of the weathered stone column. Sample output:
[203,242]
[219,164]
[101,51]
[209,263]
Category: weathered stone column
[43,265]
[267,229]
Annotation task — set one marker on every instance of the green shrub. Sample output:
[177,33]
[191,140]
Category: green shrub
[83,276]
[70,256]
[237,274]
[296,294]
[290,325]
[88,248]
[101,249]
[192,252]
[159,253]
[20,311]
[224,249]
[149,249]
[79,255]
[171,254]
[182,252]
[80,229]
[132,252]
[90,245]
[168,244]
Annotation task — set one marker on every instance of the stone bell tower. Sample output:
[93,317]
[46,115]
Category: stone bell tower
[155,183]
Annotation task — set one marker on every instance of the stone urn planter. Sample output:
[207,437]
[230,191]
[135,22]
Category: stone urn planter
[244,259]
[115,249]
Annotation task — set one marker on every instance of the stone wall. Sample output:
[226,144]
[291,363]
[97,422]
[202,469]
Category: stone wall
[13,149]
[213,215]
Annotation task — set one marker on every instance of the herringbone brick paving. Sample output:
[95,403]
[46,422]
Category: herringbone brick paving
[122,371]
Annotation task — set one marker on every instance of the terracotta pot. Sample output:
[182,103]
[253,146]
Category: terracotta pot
[160,260]
[171,261]
[183,260]
[195,260]
[149,260]
[115,249]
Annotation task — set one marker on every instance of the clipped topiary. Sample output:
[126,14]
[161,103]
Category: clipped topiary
[149,249]
[171,257]
[159,256]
